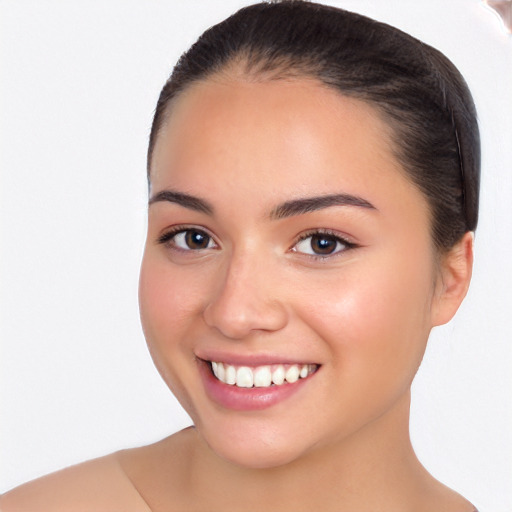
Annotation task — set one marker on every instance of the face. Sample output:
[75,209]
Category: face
[287,284]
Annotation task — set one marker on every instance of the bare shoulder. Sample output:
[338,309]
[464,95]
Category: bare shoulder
[99,485]
[141,479]
[160,472]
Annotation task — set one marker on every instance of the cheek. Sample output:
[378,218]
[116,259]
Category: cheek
[168,310]
[375,322]
[168,299]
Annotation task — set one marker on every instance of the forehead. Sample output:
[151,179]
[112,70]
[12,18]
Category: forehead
[280,138]
[227,109]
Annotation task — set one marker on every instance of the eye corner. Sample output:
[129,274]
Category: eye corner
[182,238]
[329,244]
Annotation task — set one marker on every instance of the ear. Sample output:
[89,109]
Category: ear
[453,282]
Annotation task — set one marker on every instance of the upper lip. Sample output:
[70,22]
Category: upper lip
[250,359]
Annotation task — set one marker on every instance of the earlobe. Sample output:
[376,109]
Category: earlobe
[455,275]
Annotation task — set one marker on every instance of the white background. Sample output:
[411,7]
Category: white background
[79,82]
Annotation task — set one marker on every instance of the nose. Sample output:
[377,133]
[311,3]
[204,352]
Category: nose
[246,301]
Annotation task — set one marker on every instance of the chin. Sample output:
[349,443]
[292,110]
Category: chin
[256,457]
[254,448]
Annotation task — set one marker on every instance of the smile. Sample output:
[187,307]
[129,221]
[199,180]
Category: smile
[261,376]
[245,385]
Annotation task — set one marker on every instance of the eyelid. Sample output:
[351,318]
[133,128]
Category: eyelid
[169,233]
[341,237]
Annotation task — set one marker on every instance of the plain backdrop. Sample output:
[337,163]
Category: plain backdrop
[79,81]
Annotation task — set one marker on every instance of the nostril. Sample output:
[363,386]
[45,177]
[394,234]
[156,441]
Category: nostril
[236,319]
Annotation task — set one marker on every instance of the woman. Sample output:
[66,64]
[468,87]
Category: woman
[314,185]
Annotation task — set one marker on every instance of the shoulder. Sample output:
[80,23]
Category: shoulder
[161,471]
[134,480]
[99,485]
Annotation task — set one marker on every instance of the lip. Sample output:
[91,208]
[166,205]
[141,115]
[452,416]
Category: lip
[246,399]
[249,360]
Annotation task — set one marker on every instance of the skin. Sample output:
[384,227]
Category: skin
[362,313]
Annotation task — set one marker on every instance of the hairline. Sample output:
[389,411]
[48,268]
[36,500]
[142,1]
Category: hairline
[249,68]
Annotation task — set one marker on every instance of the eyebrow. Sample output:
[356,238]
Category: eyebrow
[311,204]
[287,209]
[185,200]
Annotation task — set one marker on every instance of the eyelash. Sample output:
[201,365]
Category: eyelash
[328,234]
[167,239]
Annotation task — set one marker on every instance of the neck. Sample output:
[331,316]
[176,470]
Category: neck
[373,466]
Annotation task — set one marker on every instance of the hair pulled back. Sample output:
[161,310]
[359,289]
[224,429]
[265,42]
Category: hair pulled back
[420,93]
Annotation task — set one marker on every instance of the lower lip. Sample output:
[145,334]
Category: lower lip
[246,399]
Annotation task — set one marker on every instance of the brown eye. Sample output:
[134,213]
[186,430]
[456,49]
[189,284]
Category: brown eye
[321,244]
[196,239]
[188,239]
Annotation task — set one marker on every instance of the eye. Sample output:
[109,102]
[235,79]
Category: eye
[188,239]
[321,244]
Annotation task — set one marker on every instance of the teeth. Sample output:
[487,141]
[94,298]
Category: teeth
[244,377]
[292,374]
[261,376]
[221,372]
[230,375]
[278,375]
